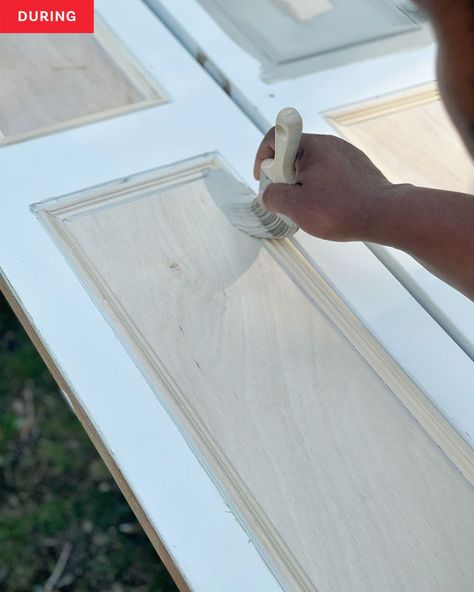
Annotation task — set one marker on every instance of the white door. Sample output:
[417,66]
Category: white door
[263,436]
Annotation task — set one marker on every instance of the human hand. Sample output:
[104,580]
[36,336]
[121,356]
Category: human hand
[337,190]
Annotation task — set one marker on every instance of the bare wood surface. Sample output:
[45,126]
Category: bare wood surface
[336,482]
[52,81]
[411,139]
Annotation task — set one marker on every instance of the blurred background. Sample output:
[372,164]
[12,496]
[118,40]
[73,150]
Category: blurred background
[64,525]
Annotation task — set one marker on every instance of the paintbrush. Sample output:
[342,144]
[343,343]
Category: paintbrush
[252,218]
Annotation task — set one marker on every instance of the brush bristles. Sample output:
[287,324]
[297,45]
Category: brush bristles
[258,222]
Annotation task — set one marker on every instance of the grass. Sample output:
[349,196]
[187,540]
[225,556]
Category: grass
[64,525]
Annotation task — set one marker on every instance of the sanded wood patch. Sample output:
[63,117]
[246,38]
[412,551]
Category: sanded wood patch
[323,447]
[50,82]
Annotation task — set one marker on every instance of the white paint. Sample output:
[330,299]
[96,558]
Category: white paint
[424,349]
[287,47]
[451,309]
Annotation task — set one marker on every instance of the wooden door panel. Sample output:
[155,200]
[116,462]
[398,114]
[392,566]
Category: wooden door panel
[423,322]
[411,138]
[51,82]
[284,403]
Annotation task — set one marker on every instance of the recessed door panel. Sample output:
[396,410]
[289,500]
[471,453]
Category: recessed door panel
[51,82]
[285,35]
[337,484]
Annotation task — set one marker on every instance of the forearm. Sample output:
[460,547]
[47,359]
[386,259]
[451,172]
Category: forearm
[435,227]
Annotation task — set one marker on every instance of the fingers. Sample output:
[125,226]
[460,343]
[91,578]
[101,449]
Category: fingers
[265,150]
[281,198]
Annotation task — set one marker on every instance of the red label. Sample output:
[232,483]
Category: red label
[46,16]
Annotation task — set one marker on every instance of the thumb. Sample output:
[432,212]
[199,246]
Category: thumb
[281,198]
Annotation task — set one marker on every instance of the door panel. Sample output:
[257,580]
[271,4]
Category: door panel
[309,444]
[52,82]
[411,139]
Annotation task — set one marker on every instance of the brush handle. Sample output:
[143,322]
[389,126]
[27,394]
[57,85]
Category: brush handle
[288,129]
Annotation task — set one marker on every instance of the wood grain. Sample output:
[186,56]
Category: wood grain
[411,139]
[288,402]
[51,81]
